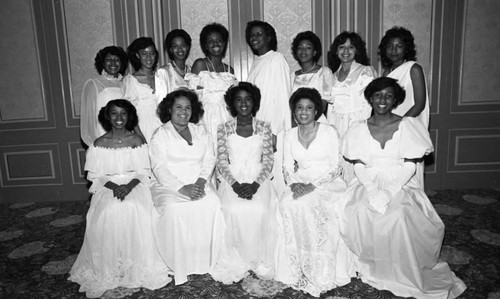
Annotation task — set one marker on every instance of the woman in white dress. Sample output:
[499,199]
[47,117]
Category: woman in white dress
[111,63]
[311,254]
[119,248]
[177,45]
[389,223]
[306,49]
[145,88]
[271,74]
[189,222]
[348,59]
[245,159]
[211,77]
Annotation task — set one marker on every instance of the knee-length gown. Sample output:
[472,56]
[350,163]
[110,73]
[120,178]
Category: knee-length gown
[119,248]
[398,249]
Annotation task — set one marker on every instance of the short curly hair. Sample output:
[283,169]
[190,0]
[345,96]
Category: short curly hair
[383,83]
[356,40]
[253,90]
[165,106]
[211,28]
[104,118]
[307,93]
[137,45]
[270,32]
[170,37]
[406,37]
[113,50]
[313,38]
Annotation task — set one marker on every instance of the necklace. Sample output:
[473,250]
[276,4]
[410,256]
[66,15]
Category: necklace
[305,72]
[213,66]
[184,137]
[310,137]
[117,139]
[148,75]
[178,70]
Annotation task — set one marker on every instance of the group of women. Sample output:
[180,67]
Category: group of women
[307,178]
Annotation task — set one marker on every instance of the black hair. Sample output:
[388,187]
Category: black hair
[253,90]
[113,50]
[383,83]
[407,39]
[171,36]
[360,57]
[313,38]
[137,45]
[270,32]
[165,106]
[132,119]
[307,93]
[210,28]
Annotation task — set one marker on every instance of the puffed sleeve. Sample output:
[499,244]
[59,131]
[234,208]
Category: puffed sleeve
[88,110]
[158,155]
[367,75]
[415,140]
[355,145]
[95,174]
[129,91]
[264,129]
[193,81]
[334,158]
[223,153]
[208,164]
[326,84]
[288,160]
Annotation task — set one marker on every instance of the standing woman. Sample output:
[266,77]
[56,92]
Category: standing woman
[389,223]
[306,49]
[312,256]
[119,248]
[110,63]
[177,46]
[398,55]
[348,59]
[189,221]
[245,159]
[144,88]
[211,77]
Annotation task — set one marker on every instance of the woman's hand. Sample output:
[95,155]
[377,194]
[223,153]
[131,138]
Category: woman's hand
[301,189]
[248,190]
[194,191]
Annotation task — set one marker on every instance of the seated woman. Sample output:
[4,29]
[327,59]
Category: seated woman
[119,248]
[188,226]
[111,63]
[245,159]
[312,256]
[389,223]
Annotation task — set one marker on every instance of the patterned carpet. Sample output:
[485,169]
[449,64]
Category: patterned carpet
[40,241]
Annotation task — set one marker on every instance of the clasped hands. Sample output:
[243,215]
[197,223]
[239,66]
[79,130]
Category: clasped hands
[379,198]
[245,190]
[301,189]
[121,191]
[194,191]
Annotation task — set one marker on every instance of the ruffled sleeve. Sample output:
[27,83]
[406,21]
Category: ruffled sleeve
[415,140]
[158,155]
[223,131]
[88,116]
[102,163]
[129,91]
[326,81]
[355,144]
[193,81]
[264,129]
[288,160]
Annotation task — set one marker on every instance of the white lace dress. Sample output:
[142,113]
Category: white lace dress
[189,233]
[312,256]
[119,248]
[250,224]
[398,248]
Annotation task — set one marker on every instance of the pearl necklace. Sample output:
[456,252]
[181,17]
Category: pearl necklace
[213,66]
[178,70]
[312,135]
[148,75]
[305,72]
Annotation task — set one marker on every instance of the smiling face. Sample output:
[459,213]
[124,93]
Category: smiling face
[147,57]
[112,64]
[243,103]
[179,48]
[305,111]
[181,111]
[259,40]
[118,117]
[383,101]
[395,51]
[215,44]
[346,52]
[305,51]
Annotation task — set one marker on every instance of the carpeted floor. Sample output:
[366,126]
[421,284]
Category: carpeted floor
[40,241]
